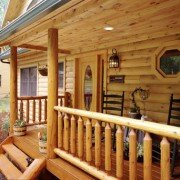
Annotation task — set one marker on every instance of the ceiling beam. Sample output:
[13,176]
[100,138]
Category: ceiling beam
[42,48]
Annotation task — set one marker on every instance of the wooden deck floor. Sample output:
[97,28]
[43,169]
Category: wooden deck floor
[29,144]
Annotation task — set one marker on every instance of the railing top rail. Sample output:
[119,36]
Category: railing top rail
[36,97]
[151,127]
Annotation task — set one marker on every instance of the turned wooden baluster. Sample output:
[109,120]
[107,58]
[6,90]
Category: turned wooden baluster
[34,111]
[119,152]
[80,138]
[60,131]
[165,159]
[147,157]
[88,141]
[45,110]
[73,135]
[27,111]
[66,132]
[108,148]
[39,110]
[21,109]
[97,144]
[132,155]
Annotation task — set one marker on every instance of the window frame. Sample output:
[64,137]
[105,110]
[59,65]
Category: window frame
[34,66]
[158,64]
[63,87]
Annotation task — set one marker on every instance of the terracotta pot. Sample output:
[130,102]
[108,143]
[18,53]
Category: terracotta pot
[19,131]
[42,146]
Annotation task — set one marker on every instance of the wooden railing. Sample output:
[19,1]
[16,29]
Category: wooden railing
[77,129]
[34,109]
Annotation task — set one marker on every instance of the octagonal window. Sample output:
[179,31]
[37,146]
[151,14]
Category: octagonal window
[170,62]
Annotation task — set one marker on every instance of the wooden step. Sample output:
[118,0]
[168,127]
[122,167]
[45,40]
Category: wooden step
[16,155]
[8,169]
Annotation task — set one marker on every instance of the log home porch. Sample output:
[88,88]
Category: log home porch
[75,32]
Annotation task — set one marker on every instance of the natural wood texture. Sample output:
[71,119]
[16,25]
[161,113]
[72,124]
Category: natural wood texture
[8,140]
[64,170]
[88,141]
[108,148]
[80,138]
[34,111]
[132,155]
[151,127]
[27,111]
[73,135]
[60,131]
[34,169]
[13,87]
[165,159]
[66,133]
[119,153]
[83,165]
[52,92]
[8,169]
[41,48]
[97,144]
[16,155]
[147,157]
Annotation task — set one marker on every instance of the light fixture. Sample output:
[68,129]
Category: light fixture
[114,59]
[108,28]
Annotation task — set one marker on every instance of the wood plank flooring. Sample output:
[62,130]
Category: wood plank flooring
[29,144]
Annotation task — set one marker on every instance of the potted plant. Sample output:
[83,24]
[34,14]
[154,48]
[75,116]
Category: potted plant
[42,136]
[133,112]
[140,151]
[19,127]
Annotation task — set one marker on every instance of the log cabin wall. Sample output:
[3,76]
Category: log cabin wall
[136,65]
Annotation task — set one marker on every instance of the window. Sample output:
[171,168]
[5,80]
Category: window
[61,75]
[0,80]
[170,62]
[28,81]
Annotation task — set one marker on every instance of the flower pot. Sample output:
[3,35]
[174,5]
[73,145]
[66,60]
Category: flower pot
[133,114]
[42,146]
[19,131]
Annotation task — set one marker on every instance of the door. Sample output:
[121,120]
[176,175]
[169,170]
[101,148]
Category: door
[89,83]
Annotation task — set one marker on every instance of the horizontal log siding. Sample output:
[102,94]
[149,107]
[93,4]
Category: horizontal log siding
[136,66]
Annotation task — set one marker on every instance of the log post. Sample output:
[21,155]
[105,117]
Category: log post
[132,155]
[73,135]
[13,87]
[52,115]
[119,153]
[165,159]
[97,144]
[88,141]
[108,148]
[147,157]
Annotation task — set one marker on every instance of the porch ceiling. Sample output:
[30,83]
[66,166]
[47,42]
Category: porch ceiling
[81,23]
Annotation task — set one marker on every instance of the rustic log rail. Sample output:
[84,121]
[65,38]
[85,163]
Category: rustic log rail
[33,109]
[73,122]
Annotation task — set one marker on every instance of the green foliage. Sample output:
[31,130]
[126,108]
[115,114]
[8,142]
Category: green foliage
[20,123]
[5,124]
[42,135]
[3,6]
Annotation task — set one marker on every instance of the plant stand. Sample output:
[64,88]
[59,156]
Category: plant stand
[42,147]
[19,131]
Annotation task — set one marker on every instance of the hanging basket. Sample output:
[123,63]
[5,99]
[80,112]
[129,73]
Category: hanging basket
[43,147]
[19,131]
[43,70]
